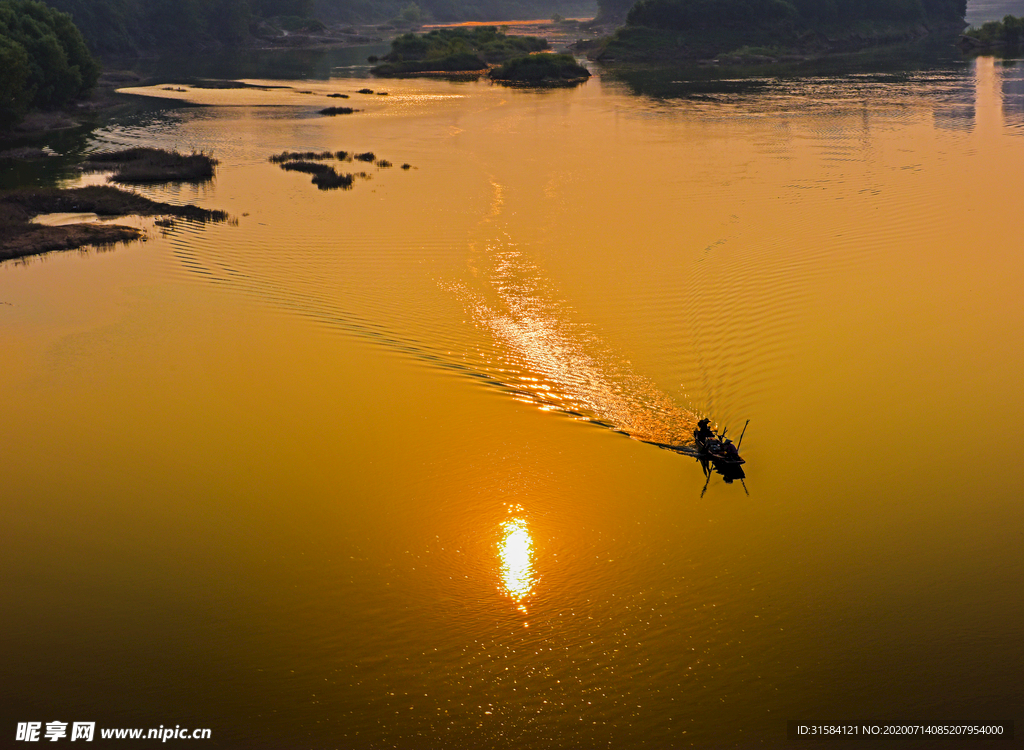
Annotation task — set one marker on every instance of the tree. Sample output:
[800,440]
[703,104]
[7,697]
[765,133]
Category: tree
[44,61]
[15,96]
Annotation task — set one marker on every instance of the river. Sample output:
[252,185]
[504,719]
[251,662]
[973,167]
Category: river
[379,468]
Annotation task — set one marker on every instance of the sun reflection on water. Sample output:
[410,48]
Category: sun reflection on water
[515,551]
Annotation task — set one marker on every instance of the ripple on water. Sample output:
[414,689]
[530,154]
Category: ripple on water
[484,305]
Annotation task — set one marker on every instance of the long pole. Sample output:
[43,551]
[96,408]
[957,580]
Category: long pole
[742,434]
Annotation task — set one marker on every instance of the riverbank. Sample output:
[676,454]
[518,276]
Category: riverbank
[103,100]
[21,237]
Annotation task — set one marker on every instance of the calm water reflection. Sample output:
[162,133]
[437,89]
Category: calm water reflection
[304,480]
[516,553]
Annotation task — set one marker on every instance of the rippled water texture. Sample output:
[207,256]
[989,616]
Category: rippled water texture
[381,467]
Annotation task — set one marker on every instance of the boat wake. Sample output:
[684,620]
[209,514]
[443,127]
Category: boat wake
[545,357]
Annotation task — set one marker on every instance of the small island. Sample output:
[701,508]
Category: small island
[544,69]
[325,176]
[454,52]
[151,165]
[21,237]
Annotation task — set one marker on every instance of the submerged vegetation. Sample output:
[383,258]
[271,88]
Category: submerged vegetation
[287,156]
[454,51]
[19,237]
[325,176]
[331,111]
[544,69]
[152,165]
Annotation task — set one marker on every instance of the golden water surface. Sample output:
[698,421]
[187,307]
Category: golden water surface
[380,467]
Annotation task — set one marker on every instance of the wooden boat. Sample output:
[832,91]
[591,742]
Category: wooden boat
[718,450]
[714,450]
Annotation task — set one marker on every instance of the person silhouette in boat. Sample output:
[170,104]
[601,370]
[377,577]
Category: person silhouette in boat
[703,433]
[730,450]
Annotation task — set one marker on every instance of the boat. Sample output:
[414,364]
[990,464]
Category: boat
[716,452]
[717,449]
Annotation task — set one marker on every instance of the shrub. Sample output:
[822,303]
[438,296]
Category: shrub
[44,62]
[152,165]
[541,69]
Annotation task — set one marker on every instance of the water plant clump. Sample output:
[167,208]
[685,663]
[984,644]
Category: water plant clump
[337,96]
[541,70]
[309,167]
[152,165]
[365,91]
[331,180]
[285,156]
[325,176]
[331,111]
[19,237]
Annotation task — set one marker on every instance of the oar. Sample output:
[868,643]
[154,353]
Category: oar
[741,436]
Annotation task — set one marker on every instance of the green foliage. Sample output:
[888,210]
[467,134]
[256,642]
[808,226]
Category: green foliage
[1008,32]
[542,69]
[702,14]
[446,11]
[411,13]
[15,96]
[460,62]
[44,62]
[267,8]
[456,49]
[109,26]
[685,15]
[118,27]
[298,23]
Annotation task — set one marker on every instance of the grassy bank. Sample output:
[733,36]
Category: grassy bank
[19,237]
[152,165]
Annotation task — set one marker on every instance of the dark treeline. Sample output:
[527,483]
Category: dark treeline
[44,62]
[1006,33]
[676,12]
[119,27]
[684,15]
[448,11]
[124,27]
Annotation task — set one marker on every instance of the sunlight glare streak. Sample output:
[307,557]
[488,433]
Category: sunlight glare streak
[515,551]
